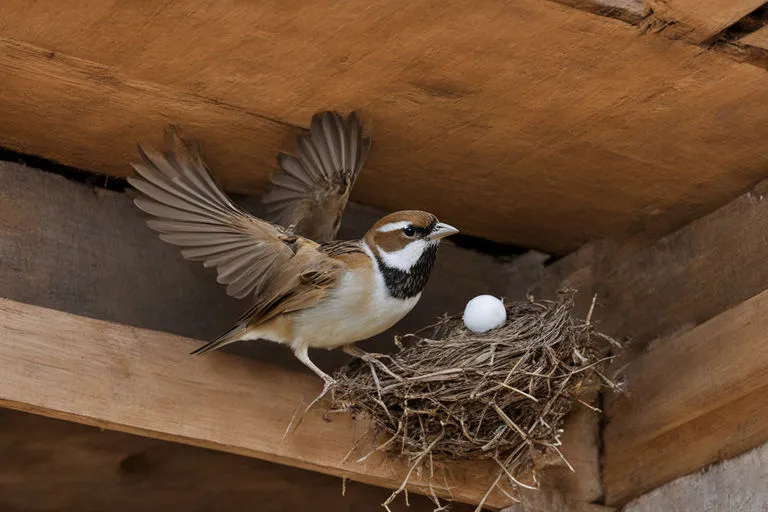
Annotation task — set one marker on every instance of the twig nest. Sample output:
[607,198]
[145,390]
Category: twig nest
[500,394]
[483,313]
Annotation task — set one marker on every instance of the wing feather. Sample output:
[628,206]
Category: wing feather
[251,256]
[311,189]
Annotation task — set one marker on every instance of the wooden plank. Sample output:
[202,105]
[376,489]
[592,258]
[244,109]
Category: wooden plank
[143,382]
[50,464]
[715,436]
[699,21]
[758,38]
[705,369]
[699,371]
[508,117]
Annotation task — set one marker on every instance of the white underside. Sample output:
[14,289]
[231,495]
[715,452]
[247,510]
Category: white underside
[354,312]
[358,308]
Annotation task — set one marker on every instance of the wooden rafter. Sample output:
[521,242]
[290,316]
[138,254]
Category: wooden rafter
[523,114]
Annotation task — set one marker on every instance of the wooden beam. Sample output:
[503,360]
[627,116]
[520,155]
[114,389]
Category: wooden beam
[758,38]
[144,382]
[50,464]
[705,369]
[699,21]
[723,433]
[505,120]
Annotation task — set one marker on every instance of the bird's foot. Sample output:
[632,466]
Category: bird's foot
[328,384]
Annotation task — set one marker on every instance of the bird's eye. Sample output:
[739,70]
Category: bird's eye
[409,231]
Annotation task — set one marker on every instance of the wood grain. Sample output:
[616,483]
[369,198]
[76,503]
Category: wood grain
[507,119]
[718,435]
[717,362]
[758,38]
[144,382]
[699,21]
[706,369]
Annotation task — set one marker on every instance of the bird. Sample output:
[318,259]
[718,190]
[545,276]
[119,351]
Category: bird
[304,293]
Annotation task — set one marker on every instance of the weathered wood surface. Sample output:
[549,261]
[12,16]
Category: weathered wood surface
[496,117]
[704,370]
[59,465]
[713,437]
[143,382]
[699,21]
[736,485]
[631,11]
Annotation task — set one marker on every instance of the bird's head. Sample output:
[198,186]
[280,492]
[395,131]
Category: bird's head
[405,244]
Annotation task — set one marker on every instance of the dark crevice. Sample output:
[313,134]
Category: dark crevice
[730,41]
[602,422]
[117,184]
[752,22]
[489,247]
[71,173]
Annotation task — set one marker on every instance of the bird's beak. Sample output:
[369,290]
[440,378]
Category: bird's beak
[441,231]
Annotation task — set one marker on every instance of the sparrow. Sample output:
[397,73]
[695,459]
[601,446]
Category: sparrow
[305,293]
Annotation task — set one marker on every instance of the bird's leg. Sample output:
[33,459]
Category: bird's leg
[355,351]
[302,355]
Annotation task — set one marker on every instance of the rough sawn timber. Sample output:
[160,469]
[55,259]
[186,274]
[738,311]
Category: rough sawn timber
[143,382]
[506,118]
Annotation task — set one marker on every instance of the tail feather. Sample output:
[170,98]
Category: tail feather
[236,333]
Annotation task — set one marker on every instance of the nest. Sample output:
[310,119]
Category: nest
[501,395]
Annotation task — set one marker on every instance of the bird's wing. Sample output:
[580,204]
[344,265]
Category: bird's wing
[251,256]
[311,190]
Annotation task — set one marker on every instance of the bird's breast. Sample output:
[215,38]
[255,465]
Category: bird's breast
[358,308]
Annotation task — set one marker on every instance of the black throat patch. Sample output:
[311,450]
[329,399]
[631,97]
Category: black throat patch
[404,285]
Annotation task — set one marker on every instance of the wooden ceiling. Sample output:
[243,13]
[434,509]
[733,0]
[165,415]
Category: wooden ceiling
[524,121]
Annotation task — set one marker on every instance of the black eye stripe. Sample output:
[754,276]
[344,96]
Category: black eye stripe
[412,229]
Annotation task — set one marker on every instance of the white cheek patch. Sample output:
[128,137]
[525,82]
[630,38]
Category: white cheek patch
[393,226]
[405,258]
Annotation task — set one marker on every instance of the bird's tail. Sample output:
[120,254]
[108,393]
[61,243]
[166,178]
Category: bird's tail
[236,333]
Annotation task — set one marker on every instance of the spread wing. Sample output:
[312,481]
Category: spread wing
[251,256]
[311,190]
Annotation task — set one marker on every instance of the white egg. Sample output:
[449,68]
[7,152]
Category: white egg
[483,313]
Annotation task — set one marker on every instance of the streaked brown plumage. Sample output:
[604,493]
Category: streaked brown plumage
[305,294]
